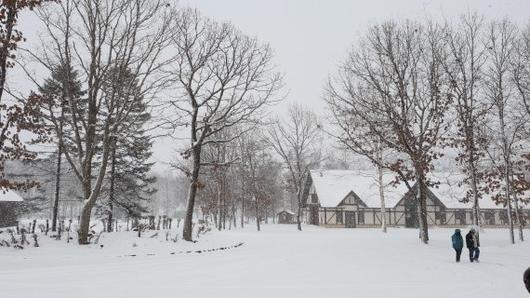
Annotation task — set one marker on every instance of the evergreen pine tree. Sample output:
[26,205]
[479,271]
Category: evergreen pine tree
[129,183]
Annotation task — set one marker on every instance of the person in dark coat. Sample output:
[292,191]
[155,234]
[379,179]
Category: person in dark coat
[526,279]
[473,244]
[458,243]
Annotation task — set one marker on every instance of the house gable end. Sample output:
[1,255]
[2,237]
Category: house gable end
[352,199]
[432,199]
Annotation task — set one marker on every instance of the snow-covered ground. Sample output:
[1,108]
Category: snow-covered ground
[277,262]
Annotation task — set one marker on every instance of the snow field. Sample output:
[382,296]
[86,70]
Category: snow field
[277,262]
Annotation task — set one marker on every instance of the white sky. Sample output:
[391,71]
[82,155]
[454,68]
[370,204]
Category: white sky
[311,37]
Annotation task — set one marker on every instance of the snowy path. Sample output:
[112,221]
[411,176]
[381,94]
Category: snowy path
[277,262]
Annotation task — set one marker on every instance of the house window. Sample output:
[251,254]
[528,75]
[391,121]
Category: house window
[360,216]
[339,217]
[460,216]
[489,217]
[439,216]
[503,217]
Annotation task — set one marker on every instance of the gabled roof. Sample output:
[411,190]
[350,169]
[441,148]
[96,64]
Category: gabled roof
[356,199]
[332,186]
[287,211]
[10,196]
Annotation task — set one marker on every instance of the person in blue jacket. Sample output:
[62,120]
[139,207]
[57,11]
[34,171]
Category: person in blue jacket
[458,243]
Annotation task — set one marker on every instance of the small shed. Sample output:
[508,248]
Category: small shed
[9,204]
[286,217]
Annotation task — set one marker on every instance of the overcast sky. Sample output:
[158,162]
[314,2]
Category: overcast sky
[311,37]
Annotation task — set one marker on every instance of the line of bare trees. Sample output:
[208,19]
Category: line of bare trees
[415,89]
[242,180]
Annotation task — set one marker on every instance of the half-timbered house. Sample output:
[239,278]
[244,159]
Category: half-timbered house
[349,199]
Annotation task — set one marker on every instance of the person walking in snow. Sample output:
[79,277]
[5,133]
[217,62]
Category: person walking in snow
[458,243]
[473,244]
[526,279]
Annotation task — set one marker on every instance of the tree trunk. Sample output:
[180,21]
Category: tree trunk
[506,157]
[111,191]
[257,213]
[57,188]
[192,192]
[474,188]
[273,211]
[110,219]
[84,223]
[381,186]
[470,151]
[422,210]
[476,206]
[234,210]
[90,197]
[299,211]
[300,184]
[224,214]
[518,217]
[9,23]
[242,200]
[382,197]
[219,211]
[508,201]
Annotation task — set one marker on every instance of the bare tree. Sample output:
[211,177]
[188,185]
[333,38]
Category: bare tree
[466,55]
[293,140]
[392,89]
[100,37]
[219,159]
[223,78]
[263,175]
[511,120]
[520,67]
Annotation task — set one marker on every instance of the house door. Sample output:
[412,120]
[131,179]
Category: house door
[411,214]
[314,216]
[349,219]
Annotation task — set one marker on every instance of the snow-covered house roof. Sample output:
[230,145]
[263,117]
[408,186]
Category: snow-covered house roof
[332,186]
[287,211]
[10,196]
[451,193]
